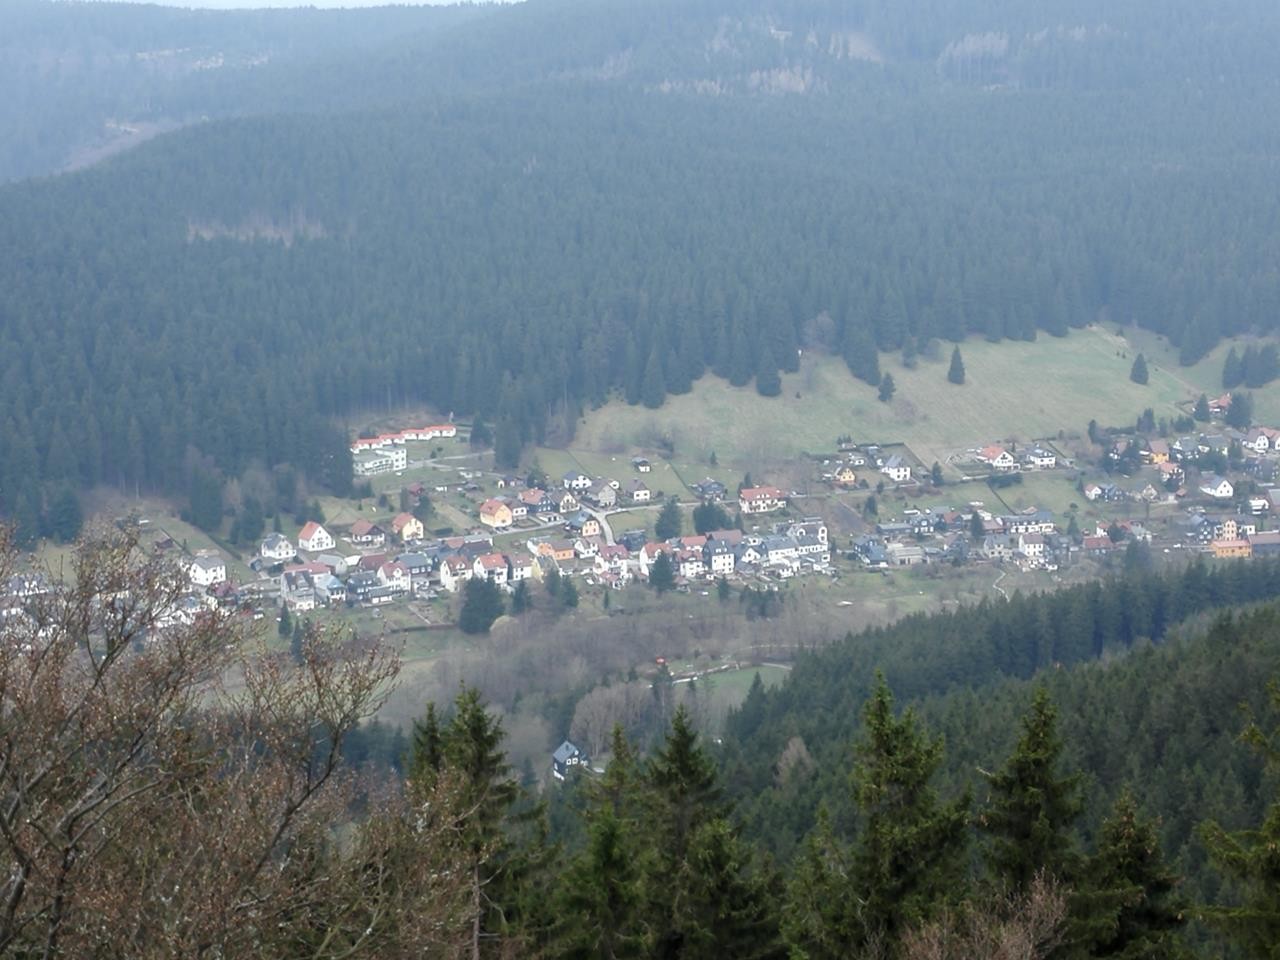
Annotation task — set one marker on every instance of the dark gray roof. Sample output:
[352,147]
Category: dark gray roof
[565,752]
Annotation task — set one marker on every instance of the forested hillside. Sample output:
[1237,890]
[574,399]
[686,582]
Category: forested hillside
[82,79]
[520,213]
[1156,718]
[983,819]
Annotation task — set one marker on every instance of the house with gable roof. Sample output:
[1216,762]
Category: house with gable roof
[314,538]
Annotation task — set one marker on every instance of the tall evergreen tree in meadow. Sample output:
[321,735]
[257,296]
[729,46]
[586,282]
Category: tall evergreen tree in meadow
[887,388]
[1033,807]
[1139,373]
[1240,413]
[956,372]
[1201,410]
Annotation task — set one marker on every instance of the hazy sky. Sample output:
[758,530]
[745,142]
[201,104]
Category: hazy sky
[320,4]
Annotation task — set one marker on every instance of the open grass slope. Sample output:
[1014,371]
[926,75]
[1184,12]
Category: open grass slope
[1013,390]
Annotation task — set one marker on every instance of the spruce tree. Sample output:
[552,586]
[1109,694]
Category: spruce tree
[653,388]
[725,907]
[704,896]
[662,574]
[886,388]
[908,860]
[956,373]
[500,860]
[481,605]
[1032,808]
[813,920]
[1128,906]
[1232,370]
[1248,858]
[600,905]
[669,520]
[1201,411]
[426,750]
[1138,373]
[521,598]
[1240,413]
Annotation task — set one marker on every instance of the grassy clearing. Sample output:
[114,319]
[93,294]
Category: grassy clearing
[1054,491]
[732,686]
[1014,390]
[1206,376]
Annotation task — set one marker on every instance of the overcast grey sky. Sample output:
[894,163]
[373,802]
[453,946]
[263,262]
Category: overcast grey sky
[320,4]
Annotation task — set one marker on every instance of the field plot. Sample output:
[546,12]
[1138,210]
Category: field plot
[1206,376]
[1013,390]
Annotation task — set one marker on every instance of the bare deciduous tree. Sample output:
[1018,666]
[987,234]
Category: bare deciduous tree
[170,787]
[1026,927]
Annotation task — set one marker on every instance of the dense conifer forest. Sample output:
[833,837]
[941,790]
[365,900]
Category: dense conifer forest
[522,212]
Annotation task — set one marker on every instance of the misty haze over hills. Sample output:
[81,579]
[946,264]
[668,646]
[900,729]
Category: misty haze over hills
[518,211]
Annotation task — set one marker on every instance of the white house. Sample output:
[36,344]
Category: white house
[566,757]
[1217,487]
[613,558]
[761,500]
[576,481]
[521,567]
[277,548]
[396,576]
[314,538]
[454,571]
[372,463]
[208,570]
[1031,545]
[491,566]
[689,564]
[896,469]
[718,556]
[1040,459]
[998,458]
[638,491]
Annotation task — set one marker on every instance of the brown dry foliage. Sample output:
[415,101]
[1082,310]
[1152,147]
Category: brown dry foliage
[170,787]
[1026,927]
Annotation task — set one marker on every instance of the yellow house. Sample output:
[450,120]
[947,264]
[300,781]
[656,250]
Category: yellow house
[1225,549]
[496,514]
[558,550]
[407,527]
[845,476]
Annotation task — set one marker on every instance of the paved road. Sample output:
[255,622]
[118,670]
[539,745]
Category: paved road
[604,524]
